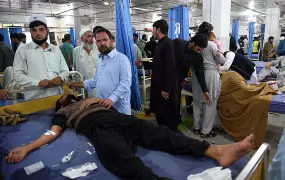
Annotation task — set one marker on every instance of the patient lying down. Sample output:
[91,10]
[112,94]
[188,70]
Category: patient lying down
[116,135]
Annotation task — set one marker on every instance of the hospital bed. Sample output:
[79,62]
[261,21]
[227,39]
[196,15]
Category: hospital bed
[39,115]
[163,164]
[146,79]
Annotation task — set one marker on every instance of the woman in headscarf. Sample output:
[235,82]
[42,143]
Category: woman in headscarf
[204,112]
[242,108]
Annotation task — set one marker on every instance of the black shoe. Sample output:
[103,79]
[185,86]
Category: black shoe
[197,132]
[218,130]
[211,134]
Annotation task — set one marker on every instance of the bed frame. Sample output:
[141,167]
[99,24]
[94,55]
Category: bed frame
[29,107]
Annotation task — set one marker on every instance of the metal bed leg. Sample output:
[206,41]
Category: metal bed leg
[144,88]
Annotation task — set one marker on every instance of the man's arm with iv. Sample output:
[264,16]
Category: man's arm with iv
[16,155]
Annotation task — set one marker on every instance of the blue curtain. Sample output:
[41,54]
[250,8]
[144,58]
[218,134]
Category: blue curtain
[125,45]
[262,32]
[73,36]
[178,16]
[15,30]
[250,37]
[235,29]
[5,33]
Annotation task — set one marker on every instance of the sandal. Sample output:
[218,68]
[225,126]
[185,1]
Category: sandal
[197,132]
[211,134]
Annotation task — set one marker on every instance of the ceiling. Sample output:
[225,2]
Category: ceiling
[143,11]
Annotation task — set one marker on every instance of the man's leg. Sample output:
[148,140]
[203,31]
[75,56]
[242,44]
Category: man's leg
[161,138]
[117,156]
[168,120]
[209,116]
[197,113]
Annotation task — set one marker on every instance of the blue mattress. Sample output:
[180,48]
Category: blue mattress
[277,104]
[163,164]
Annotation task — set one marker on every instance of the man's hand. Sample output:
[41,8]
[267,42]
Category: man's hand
[165,95]
[44,83]
[139,63]
[268,65]
[4,95]
[55,81]
[76,85]
[89,102]
[207,97]
[106,102]
[16,155]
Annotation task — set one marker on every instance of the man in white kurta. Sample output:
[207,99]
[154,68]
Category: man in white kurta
[39,64]
[86,57]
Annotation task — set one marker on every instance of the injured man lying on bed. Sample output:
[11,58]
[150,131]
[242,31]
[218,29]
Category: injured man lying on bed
[276,69]
[115,137]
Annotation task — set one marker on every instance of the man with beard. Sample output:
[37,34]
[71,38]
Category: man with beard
[85,57]
[40,64]
[113,77]
[164,101]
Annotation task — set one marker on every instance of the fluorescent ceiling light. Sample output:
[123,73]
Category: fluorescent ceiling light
[106,3]
[142,9]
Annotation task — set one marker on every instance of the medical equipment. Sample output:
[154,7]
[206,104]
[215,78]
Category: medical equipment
[49,133]
[67,158]
[34,168]
[80,171]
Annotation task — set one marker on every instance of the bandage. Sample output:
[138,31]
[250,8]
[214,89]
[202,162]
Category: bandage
[48,133]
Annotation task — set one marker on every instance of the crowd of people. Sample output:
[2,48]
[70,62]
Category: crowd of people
[220,92]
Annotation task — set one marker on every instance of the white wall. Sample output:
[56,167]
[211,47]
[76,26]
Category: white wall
[243,30]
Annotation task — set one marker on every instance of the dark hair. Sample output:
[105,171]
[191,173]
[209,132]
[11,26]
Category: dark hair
[144,36]
[63,40]
[36,24]
[1,38]
[67,37]
[22,35]
[15,36]
[136,35]
[69,98]
[242,38]
[101,30]
[162,25]
[205,28]
[200,40]
[271,37]
[96,28]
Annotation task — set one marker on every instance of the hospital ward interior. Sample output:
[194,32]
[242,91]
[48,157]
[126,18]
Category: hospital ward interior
[142,89]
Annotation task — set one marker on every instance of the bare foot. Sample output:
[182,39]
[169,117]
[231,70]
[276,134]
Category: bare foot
[227,155]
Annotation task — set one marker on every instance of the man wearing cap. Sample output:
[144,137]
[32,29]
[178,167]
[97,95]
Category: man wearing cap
[39,64]
[85,57]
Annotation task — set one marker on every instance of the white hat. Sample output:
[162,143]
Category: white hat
[282,38]
[84,30]
[38,18]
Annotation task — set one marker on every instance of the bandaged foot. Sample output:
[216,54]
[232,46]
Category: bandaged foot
[227,155]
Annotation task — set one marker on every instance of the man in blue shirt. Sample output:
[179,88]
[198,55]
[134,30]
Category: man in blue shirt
[113,77]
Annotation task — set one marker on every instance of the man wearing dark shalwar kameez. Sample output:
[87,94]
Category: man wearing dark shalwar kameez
[164,101]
